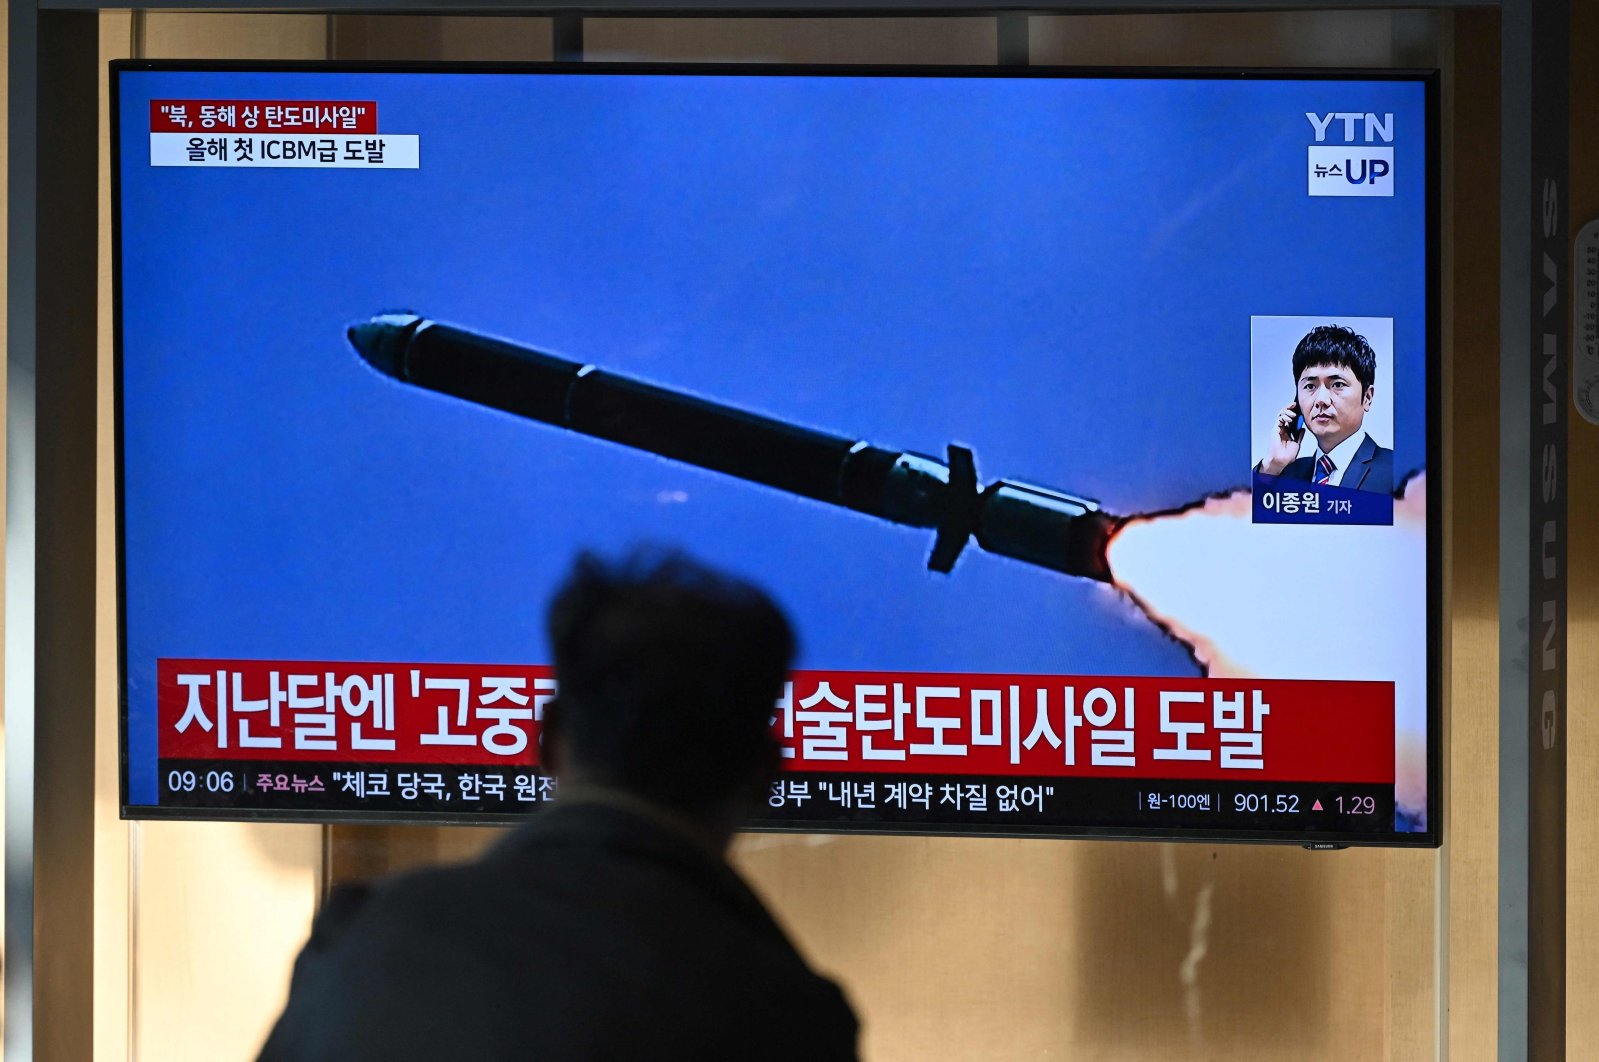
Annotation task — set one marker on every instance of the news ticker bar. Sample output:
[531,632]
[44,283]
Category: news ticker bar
[825,799]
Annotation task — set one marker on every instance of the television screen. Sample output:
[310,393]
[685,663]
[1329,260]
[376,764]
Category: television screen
[1081,420]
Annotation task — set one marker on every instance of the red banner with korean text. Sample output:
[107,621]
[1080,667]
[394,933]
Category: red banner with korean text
[855,721]
[263,116]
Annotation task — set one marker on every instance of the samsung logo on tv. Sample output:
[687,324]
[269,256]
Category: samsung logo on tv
[1359,169]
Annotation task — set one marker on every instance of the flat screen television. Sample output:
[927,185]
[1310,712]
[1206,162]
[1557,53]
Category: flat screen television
[1082,420]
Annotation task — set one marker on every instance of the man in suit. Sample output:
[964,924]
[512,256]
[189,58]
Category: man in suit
[1334,381]
[610,927]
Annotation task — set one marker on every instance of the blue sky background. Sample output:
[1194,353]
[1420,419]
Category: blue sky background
[1057,273]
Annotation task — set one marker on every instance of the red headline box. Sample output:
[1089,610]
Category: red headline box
[885,722]
[263,116]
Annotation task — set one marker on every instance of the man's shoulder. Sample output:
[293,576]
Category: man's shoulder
[1374,455]
[553,883]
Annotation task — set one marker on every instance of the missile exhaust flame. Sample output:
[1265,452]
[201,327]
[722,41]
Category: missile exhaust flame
[1319,601]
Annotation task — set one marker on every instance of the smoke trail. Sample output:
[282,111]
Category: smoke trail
[1311,601]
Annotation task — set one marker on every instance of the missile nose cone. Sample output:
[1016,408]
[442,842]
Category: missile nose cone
[381,341]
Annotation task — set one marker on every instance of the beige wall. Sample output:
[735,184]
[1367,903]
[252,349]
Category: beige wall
[956,948]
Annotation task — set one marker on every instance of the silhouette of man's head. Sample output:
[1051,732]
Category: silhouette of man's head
[668,674]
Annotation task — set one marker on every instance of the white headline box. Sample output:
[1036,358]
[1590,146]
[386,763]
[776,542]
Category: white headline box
[353,151]
[1351,170]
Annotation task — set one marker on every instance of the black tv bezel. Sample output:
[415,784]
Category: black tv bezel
[1428,78]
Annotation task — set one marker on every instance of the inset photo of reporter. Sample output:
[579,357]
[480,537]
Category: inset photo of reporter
[1321,420]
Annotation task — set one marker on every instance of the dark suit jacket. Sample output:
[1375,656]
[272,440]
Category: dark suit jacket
[1372,468]
[590,933]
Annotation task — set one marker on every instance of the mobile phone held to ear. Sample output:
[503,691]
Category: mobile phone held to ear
[1294,431]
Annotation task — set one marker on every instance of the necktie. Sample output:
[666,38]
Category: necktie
[1324,469]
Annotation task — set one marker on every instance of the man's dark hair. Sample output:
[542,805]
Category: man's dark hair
[668,676]
[1336,345]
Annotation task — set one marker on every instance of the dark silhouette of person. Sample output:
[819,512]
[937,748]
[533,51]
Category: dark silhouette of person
[610,926]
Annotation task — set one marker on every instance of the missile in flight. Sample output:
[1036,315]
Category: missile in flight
[1036,525]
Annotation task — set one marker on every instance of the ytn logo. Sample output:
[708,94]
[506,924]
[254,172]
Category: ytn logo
[1372,127]
[1356,169]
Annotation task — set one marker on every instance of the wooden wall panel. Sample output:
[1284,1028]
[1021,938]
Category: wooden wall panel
[219,910]
[1582,636]
[437,37]
[182,35]
[112,884]
[1318,38]
[1470,885]
[982,949]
